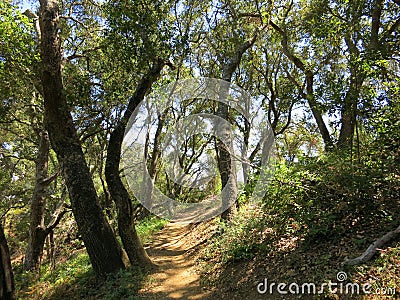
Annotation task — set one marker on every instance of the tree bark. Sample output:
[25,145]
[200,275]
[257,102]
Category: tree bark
[148,187]
[349,108]
[349,113]
[37,229]
[104,251]
[126,227]
[7,288]
[227,170]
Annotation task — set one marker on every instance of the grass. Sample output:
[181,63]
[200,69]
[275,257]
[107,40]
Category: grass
[73,277]
[148,227]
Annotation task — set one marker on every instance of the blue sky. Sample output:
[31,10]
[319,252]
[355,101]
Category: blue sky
[25,4]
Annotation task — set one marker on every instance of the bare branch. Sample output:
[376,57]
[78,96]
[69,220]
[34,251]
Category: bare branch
[69,17]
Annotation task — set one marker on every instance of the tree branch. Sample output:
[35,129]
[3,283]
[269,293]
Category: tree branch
[49,179]
[74,20]
[61,210]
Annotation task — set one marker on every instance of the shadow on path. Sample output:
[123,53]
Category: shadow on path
[176,276]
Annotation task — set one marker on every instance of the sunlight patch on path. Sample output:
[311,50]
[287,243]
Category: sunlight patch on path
[176,277]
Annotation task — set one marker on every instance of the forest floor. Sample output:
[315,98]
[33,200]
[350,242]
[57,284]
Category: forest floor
[190,265]
[175,252]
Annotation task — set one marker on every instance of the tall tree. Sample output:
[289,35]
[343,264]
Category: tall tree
[365,34]
[126,227]
[23,117]
[230,37]
[38,231]
[101,244]
[226,168]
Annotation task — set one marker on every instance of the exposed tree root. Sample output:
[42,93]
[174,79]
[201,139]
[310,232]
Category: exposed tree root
[371,250]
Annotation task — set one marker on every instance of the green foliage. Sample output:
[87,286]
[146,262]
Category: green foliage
[16,32]
[74,279]
[108,47]
[315,202]
[138,32]
[332,196]
[384,124]
[18,52]
[76,268]
[148,227]
[241,238]
[384,273]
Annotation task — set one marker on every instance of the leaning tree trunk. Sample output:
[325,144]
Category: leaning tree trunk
[7,288]
[126,227]
[101,244]
[227,170]
[148,185]
[37,229]
[373,248]
[309,95]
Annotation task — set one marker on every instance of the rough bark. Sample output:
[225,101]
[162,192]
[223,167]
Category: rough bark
[152,165]
[126,227]
[349,113]
[7,288]
[349,108]
[227,170]
[37,229]
[323,129]
[104,251]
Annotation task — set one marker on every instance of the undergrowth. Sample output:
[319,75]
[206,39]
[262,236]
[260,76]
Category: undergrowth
[312,218]
[73,277]
[148,227]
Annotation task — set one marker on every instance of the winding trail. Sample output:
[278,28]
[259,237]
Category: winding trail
[175,277]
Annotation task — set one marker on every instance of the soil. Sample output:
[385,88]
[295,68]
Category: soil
[174,250]
[176,276]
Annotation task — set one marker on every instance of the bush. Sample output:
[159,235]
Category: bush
[321,200]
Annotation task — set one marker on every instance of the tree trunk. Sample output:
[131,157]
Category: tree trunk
[309,95]
[120,195]
[227,170]
[349,111]
[7,288]
[372,249]
[126,227]
[152,165]
[104,251]
[37,229]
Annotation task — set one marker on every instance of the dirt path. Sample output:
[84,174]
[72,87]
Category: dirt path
[176,277]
